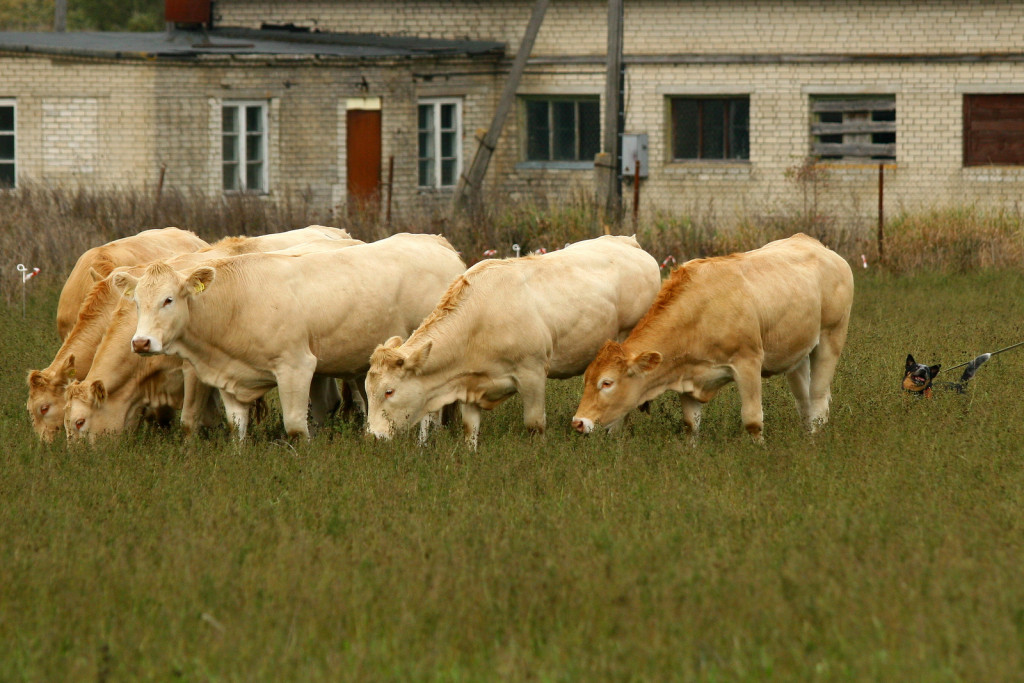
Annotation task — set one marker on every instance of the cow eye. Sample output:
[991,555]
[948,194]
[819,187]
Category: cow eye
[168,301]
[43,409]
[388,393]
[605,383]
[79,423]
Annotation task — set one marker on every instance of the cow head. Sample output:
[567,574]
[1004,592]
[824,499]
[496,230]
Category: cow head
[46,397]
[396,395]
[82,410]
[161,297]
[613,384]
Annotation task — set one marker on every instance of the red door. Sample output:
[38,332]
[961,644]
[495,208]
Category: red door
[363,160]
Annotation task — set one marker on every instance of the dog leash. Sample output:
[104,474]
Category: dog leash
[975,363]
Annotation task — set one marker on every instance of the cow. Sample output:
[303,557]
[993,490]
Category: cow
[100,261]
[46,387]
[121,386]
[253,322]
[780,309]
[505,326]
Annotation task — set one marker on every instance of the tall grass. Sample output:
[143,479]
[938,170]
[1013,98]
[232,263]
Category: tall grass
[887,547]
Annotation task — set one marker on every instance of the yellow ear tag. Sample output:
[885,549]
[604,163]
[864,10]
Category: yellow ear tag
[199,287]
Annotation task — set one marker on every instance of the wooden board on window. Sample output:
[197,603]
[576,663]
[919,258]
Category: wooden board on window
[993,129]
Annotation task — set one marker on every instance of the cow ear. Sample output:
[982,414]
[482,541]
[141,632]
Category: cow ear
[126,283]
[417,358]
[934,370]
[98,391]
[36,379]
[95,275]
[645,362]
[393,343]
[200,279]
[67,371]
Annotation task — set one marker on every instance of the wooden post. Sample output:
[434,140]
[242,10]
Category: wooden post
[881,213]
[636,194]
[60,16]
[467,192]
[391,188]
[613,113]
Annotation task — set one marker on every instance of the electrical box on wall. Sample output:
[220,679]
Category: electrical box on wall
[634,153]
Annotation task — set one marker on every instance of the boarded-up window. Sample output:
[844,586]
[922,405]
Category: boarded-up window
[710,128]
[993,130]
[7,157]
[854,128]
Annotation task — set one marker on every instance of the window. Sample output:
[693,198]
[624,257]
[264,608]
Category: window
[854,128]
[562,128]
[244,146]
[710,128]
[7,169]
[993,130]
[440,142]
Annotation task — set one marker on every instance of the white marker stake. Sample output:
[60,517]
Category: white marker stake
[26,275]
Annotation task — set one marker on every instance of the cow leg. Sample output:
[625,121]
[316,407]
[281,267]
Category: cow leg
[293,390]
[531,388]
[824,359]
[324,398]
[748,381]
[691,413]
[197,395]
[471,423]
[800,384]
[354,393]
[426,423]
[238,413]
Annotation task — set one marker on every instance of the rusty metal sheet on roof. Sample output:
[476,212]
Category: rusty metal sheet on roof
[268,42]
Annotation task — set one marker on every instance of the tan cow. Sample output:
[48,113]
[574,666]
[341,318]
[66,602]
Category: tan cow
[507,325]
[253,322]
[128,251]
[46,387]
[780,309]
[122,387]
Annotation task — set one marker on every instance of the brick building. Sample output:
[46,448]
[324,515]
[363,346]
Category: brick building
[732,95]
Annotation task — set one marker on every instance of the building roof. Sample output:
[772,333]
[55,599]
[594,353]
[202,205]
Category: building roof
[284,41]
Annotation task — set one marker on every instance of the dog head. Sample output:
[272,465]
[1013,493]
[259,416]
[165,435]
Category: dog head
[918,377]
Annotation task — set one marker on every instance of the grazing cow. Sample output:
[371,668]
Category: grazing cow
[507,325]
[99,261]
[780,309]
[253,322]
[122,387]
[46,387]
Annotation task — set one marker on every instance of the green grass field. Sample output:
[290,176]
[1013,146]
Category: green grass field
[888,547]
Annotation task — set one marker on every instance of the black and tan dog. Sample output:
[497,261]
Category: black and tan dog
[919,379]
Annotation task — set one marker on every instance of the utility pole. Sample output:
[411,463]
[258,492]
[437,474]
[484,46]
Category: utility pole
[467,193]
[60,16]
[609,164]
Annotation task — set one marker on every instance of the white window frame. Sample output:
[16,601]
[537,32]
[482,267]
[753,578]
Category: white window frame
[13,104]
[241,134]
[435,158]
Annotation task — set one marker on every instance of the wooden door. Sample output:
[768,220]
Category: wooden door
[363,160]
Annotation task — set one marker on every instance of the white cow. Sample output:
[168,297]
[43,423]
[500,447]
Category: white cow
[122,386]
[507,325]
[253,322]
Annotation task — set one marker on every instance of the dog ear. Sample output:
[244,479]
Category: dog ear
[934,370]
[911,364]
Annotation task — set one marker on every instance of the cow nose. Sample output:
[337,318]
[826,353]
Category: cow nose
[579,425]
[140,345]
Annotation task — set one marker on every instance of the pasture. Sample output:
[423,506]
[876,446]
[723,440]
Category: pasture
[887,547]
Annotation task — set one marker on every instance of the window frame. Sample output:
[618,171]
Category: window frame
[241,133]
[727,142]
[13,134]
[860,116]
[437,159]
[576,163]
